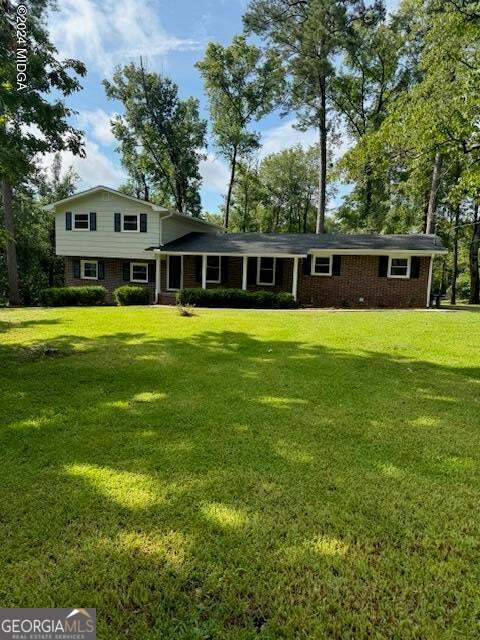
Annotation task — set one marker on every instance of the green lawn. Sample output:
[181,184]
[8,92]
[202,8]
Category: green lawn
[243,474]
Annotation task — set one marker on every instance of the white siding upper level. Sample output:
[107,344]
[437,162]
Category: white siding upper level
[105,241]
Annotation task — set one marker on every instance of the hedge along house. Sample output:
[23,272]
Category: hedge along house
[112,239]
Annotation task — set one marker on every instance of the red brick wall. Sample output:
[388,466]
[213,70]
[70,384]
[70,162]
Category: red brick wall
[235,274]
[359,279]
[113,275]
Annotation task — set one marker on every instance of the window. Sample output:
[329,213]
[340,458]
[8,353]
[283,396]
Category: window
[130,222]
[266,271]
[138,272]
[81,222]
[398,267]
[322,265]
[89,269]
[213,269]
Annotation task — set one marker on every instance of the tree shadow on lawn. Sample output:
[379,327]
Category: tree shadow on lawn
[21,324]
[223,486]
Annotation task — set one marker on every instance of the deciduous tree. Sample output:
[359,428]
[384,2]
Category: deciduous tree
[241,84]
[161,136]
[34,118]
[307,36]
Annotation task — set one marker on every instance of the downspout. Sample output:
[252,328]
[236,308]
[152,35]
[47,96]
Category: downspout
[160,239]
[429,285]
[158,257]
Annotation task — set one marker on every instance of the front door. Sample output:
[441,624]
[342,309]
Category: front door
[174,272]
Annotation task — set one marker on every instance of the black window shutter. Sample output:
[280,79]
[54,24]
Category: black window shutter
[68,221]
[224,269]
[279,272]
[198,268]
[117,221]
[101,270]
[76,268]
[336,265]
[415,267]
[151,271]
[252,271]
[307,266]
[382,266]
[93,221]
[143,223]
[126,272]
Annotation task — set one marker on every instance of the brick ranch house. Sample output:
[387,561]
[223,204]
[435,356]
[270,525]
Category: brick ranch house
[111,239]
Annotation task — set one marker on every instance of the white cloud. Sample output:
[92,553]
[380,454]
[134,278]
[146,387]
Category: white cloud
[98,123]
[95,168]
[215,174]
[284,136]
[104,33]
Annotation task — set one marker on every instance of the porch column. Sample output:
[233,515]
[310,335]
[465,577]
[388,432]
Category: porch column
[157,278]
[244,273]
[295,278]
[204,271]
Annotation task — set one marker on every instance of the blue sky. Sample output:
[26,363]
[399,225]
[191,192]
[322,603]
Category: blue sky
[171,35]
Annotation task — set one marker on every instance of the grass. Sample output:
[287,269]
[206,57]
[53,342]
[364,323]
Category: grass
[243,474]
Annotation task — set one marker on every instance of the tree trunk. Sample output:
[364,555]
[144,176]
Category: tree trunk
[13,286]
[453,295]
[146,194]
[245,209]
[230,186]
[426,198]
[474,247]
[432,202]
[444,283]
[322,170]
[51,262]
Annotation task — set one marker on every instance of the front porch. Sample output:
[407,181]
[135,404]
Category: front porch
[277,273]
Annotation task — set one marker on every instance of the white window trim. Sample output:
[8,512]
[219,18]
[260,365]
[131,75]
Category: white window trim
[139,264]
[74,215]
[168,272]
[137,230]
[219,270]
[330,266]
[409,264]
[82,269]
[259,261]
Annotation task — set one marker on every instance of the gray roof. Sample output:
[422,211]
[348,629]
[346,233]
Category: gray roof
[298,243]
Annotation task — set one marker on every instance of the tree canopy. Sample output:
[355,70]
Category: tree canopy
[242,85]
[161,136]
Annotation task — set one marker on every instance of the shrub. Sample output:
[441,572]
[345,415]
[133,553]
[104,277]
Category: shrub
[235,298]
[463,286]
[131,294]
[72,296]
[185,310]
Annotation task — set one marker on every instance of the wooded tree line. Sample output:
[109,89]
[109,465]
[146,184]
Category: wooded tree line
[400,91]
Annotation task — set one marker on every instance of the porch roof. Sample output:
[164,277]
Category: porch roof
[299,244]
